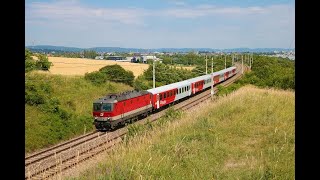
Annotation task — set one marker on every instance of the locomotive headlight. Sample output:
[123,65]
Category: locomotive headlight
[101,114]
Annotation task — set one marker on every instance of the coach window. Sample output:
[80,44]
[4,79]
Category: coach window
[170,93]
[131,101]
[160,96]
[165,95]
[124,103]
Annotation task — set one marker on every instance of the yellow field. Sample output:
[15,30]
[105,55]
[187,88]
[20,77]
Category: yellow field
[80,66]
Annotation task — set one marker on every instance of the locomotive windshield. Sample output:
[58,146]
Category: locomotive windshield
[102,107]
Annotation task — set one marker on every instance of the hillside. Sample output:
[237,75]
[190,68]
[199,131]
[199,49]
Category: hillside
[249,134]
[60,107]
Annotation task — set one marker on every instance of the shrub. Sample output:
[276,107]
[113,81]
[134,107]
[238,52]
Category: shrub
[43,63]
[96,77]
[117,74]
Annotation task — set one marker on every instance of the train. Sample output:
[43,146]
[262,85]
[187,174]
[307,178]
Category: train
[114,110]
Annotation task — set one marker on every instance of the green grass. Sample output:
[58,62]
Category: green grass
[248,134]
[67,111]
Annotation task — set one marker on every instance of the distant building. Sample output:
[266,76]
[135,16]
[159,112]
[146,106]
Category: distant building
[116,58]
[98,57]
[145,58]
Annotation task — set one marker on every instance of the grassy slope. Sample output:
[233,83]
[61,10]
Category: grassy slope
[246,135]
[76,96]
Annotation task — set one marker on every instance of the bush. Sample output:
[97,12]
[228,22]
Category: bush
[117,74]
[96,77]
[30,65]
[43,63]
[37,93]
[271,72]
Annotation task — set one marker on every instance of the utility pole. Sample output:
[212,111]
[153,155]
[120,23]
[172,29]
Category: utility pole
[242,64]
[250,61]
[206,65]
[212,92]
[211,64]
[154,76]
[225,61]
[232,56]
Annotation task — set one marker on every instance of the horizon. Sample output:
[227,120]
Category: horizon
[161,23]
[152,48]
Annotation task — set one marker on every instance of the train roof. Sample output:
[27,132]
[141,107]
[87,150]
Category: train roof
[169,87]
[224,70]
[207,76]
[111,98]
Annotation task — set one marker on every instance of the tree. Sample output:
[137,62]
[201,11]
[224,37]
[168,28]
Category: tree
[30,63]
[117,74]
[43,63]
[89,54]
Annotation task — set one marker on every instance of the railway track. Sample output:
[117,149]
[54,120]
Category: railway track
[51,161]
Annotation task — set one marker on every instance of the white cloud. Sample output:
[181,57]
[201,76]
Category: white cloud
[178,3]
[210,10]
[74,23]
[73,11]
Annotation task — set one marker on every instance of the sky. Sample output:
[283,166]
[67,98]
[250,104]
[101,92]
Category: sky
[218,24]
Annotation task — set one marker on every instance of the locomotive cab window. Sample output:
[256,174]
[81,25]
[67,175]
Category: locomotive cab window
[107,107]
[97,107]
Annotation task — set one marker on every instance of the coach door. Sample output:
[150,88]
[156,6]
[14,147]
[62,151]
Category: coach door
[158,103]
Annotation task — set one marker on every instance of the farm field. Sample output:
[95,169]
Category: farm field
[80,66]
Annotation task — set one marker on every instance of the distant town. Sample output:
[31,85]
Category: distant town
[142,55]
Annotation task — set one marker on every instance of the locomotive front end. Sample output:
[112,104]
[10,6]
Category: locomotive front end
[103,114]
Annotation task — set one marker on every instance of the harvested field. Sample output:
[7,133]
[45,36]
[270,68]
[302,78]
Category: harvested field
[80,66]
